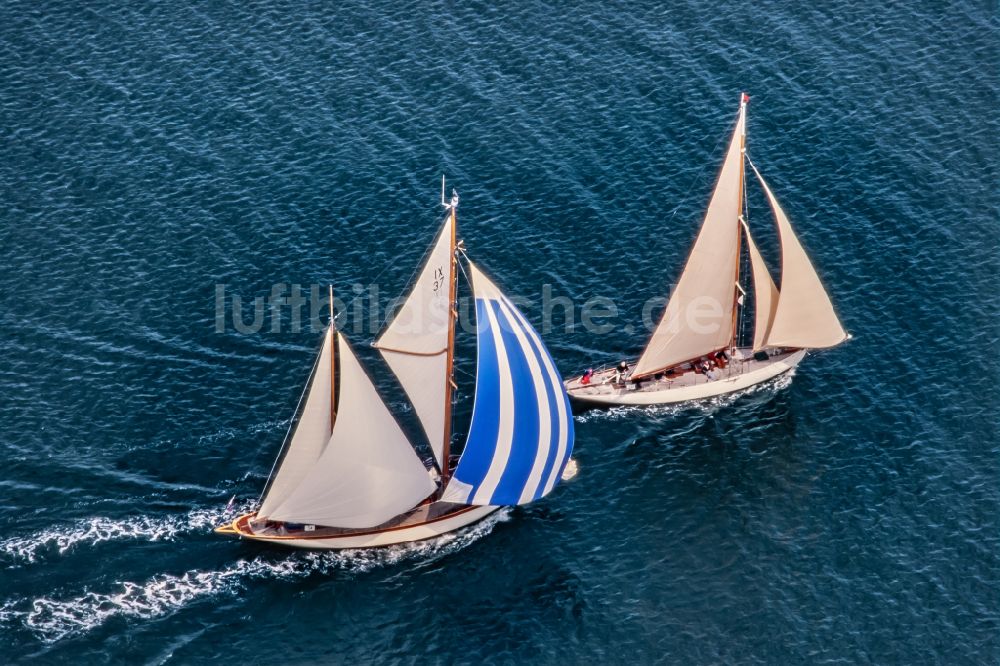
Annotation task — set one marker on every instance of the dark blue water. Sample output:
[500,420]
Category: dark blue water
[151,152]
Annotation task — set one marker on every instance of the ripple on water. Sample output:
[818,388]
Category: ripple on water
[152,151]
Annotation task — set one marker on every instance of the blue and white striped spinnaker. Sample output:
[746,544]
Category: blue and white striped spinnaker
[522,429]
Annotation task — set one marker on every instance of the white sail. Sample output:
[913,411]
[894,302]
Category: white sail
[765,293]
[804,316]
[699,315]
[311,433]
[368,472]
[415,344]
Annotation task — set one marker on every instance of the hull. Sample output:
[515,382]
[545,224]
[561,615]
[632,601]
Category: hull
[425,522]
[685,386]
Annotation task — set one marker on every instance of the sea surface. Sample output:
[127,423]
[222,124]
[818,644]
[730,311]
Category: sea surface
[158,158]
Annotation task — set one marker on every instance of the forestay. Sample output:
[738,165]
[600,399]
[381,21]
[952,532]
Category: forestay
[804,317]
[765,293]
[415,344]
[521,433]
[311,432]
[699,316]
[368,472]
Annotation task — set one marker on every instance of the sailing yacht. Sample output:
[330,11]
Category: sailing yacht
[350,478]
[695,351]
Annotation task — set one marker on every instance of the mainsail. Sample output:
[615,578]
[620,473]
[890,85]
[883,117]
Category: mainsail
[699,316]
[368,472]
[765,293]
[804,316]
[415,344]
[521,433]
[311,433]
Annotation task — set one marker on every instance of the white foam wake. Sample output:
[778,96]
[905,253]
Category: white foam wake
[54,619]
[61,539]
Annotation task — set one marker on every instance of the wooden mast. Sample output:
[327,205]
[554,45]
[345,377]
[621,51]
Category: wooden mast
[333,351]
[744,98]
[449,364]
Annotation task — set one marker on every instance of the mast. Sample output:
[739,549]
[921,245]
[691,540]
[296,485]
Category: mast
[333,354]
[450,362]
[744,98]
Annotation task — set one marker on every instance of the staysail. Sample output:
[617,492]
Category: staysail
[804,316]
[368,472]
[311,433]
[699,316]
[415,344]
[765,293]
[522,429]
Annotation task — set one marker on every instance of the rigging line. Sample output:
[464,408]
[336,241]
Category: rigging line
[288,432]
[385,267]
[697,178]
[350,306]
[461,251]
[740,332]
[409,281]
[752,165]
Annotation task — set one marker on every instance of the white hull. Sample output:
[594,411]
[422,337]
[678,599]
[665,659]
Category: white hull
[415,527]
[740,374]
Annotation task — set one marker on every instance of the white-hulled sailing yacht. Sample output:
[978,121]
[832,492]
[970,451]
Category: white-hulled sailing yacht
[350,478]
[694,351]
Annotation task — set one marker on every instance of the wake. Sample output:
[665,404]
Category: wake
[91,531]
[52,619]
